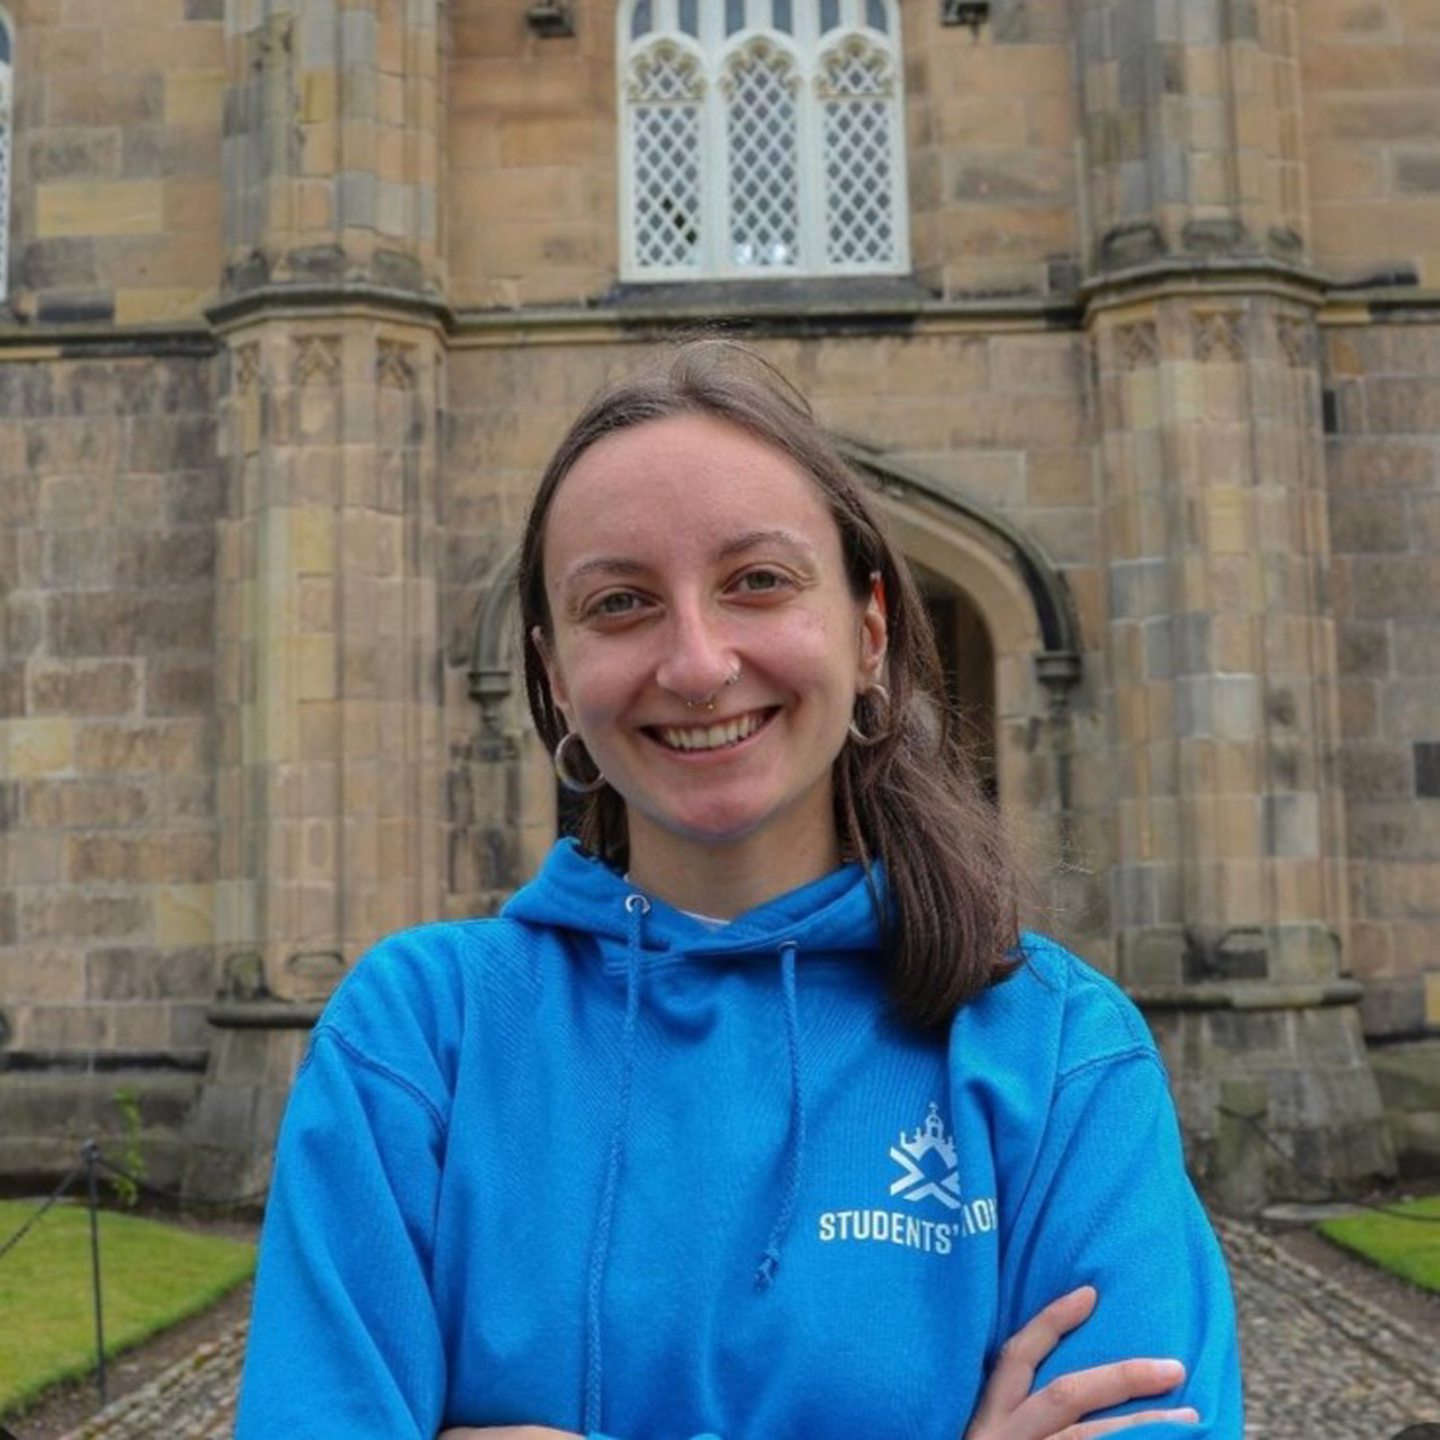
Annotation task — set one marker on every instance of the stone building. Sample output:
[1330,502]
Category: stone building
[1130,308]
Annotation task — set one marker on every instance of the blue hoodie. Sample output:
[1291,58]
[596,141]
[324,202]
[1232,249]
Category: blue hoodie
[600,1165]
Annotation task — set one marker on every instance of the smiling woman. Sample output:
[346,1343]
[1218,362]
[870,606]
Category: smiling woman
[728,1125]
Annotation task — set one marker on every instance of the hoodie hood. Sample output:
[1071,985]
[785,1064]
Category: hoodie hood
[833,916]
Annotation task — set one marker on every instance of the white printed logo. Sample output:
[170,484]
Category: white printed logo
[928,1159]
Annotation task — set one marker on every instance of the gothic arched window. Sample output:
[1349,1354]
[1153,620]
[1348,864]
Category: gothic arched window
[761,138]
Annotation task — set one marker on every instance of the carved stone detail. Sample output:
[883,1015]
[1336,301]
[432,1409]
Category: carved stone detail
[1218,334]
[394,365]
[1137,345]
[315,357]
[247,367]
[1297,341]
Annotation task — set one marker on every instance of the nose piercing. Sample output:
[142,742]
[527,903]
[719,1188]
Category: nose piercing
[708,705]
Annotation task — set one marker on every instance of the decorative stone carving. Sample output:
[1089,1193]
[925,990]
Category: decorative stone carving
[1137,345]
[394,367]
[247,367]
[1297,341]
[315,357]
[1218,334]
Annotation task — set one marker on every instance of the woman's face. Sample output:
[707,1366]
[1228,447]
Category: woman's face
[677,554]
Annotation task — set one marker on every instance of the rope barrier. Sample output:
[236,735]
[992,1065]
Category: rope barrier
[91,1162]
[59,1190]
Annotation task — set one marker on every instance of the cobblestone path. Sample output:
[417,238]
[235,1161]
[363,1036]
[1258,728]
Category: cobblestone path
[1320,1364]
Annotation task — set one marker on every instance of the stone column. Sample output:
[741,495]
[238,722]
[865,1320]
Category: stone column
[1230,901]
[329,697]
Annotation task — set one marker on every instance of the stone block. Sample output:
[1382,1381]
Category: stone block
[118,749]
[114,207]
[1417,174]
[171,442]
[49,976]
[128,623]
[1375,771]
[68,1027]
[183,858]
[40,747]
[82,688]
[92,804]
[154,306]
[1364,649]
[143,973]
[81,154]
[185,916]
[175,687]
[1378,117]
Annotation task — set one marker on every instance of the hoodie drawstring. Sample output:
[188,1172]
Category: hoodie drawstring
[636,907]
[770,1259]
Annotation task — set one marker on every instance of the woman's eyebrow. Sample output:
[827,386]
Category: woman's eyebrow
[603,564]
[752,539]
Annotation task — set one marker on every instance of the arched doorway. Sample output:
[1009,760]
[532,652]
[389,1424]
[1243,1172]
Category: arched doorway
[967,658]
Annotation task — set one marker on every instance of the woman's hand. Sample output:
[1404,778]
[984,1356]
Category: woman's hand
[505,1432]
[1057,1411]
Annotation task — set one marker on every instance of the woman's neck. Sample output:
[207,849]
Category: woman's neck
[725,880]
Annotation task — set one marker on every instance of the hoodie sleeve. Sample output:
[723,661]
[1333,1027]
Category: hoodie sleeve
[344,1338]
[1108,1203]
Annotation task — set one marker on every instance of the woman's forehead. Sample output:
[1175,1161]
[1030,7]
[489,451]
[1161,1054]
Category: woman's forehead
[684,479]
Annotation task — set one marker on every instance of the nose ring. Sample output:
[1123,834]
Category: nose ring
[708,705]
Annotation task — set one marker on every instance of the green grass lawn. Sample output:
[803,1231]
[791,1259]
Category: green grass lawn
[153,1275]
[1408,1248]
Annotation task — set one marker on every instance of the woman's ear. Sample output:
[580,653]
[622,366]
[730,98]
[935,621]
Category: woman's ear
[874,634]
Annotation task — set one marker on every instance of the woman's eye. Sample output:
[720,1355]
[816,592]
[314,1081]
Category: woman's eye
[760,582]
[613,606]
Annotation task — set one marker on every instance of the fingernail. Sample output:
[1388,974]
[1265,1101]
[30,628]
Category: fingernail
[1171,1369]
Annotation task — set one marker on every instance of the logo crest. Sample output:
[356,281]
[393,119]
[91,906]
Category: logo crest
[927,1160]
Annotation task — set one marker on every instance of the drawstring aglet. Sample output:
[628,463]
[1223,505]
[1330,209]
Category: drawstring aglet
[769,1264]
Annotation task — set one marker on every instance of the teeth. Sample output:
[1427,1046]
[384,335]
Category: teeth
[710,737]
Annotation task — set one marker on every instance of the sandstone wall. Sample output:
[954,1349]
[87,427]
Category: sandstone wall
[108,498]
[116,183]
[1371,82]
[1383,460]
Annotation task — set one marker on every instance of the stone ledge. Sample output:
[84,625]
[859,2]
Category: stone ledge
[264,1014]
[1246,995]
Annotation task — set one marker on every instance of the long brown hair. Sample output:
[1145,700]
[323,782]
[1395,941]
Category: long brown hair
[912,800]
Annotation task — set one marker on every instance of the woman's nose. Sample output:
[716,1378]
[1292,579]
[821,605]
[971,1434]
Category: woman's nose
[697,661]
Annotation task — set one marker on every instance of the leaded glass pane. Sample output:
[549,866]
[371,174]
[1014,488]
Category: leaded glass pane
[829,15]
[665,138]
[640,19]
[734,16]
[875,16]
[764,163]
[859,170]
[784,18]
[4,43]
[689,19]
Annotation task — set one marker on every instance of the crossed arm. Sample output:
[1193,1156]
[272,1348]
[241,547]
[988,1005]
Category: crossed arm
[1011,1408]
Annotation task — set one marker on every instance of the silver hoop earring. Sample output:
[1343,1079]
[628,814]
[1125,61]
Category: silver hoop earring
[562,759]
[874,692]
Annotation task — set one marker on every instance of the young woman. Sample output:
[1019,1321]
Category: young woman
[753,1115]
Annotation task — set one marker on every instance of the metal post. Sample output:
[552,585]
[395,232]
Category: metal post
[92,1155]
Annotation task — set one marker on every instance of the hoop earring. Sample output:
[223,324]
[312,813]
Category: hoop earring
[562,768]
[874,691]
